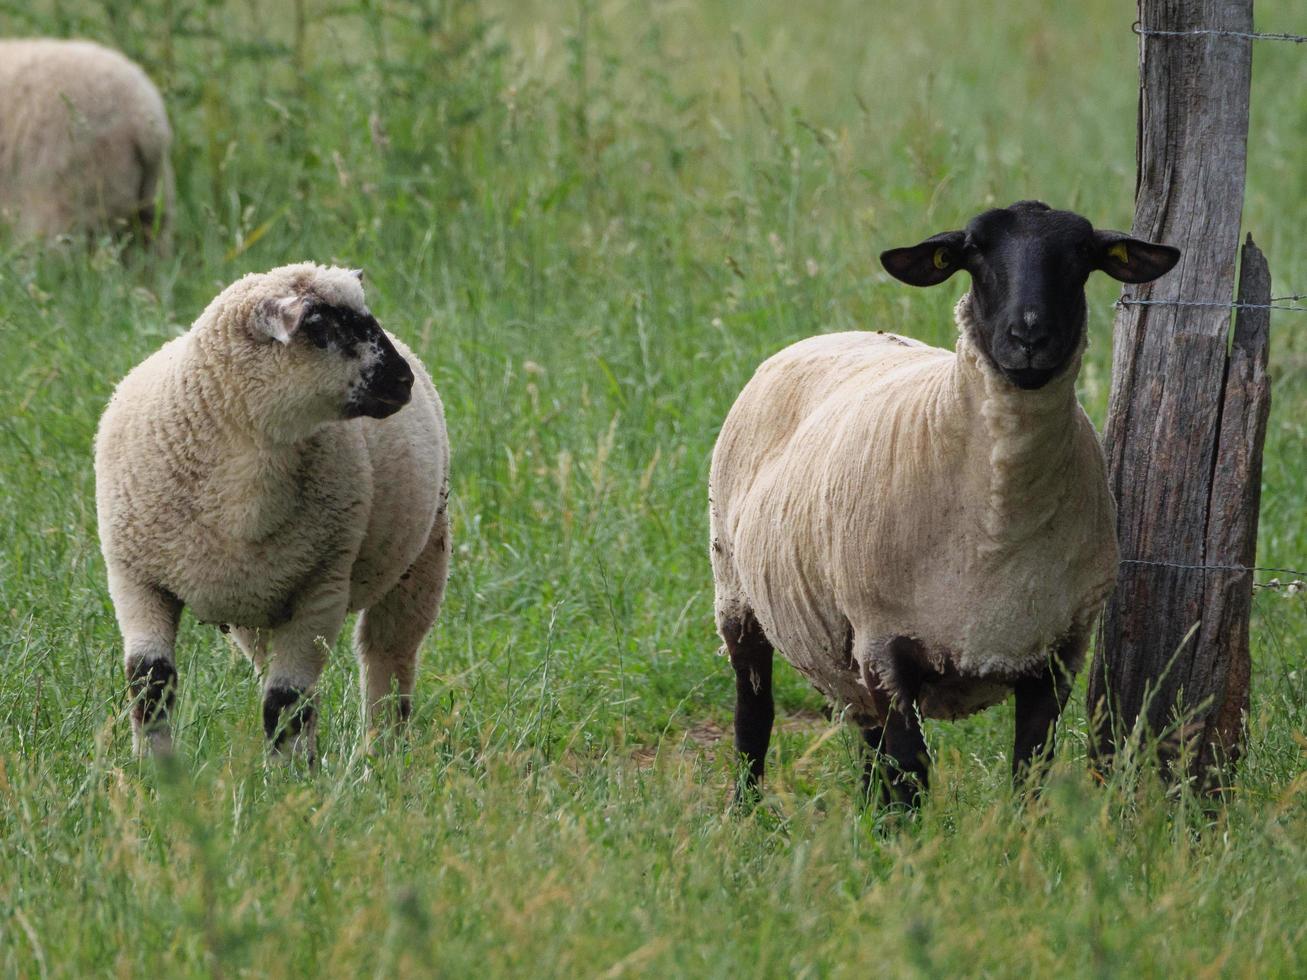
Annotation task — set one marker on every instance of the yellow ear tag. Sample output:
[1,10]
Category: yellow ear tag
[1120,253]
[941,258]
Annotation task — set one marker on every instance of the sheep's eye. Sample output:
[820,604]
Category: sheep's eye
[315,328]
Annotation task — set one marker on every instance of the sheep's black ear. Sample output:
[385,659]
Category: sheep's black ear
[357,274]
[927,264]
[1132,259]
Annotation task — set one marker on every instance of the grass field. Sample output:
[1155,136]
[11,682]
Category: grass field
[593,220]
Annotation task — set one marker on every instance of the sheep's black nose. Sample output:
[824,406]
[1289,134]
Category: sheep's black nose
[1028,332]
[397,386]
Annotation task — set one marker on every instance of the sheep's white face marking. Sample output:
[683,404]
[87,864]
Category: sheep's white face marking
[372,355]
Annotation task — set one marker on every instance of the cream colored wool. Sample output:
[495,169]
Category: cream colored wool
[867,486]
[84,138]
[226,478]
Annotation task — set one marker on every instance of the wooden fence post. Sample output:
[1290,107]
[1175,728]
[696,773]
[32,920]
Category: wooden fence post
[1187,418]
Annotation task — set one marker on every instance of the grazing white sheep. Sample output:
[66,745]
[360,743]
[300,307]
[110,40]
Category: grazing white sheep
[919,531]
[259,469]
[84,139]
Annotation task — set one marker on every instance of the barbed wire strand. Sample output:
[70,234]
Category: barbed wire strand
[1273,584]
[1215,32]
[1272,305]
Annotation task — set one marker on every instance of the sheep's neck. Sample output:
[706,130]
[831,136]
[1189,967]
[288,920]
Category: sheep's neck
[251,484]
[1028,437]
[257,489]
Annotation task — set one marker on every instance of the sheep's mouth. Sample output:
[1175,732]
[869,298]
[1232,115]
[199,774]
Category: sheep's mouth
[376,406]
[1029,378]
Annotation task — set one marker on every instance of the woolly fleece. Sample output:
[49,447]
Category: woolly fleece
[866,486]
[225,479]
[84,138]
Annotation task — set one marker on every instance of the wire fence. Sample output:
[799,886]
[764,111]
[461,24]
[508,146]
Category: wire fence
[1216,32]
[1277,303]
[1294,587]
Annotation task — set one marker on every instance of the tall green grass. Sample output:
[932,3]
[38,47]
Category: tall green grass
[592,220]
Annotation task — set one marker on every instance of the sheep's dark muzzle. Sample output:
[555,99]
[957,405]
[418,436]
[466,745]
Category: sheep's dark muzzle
[1030,379]
[382,404]
[387,387]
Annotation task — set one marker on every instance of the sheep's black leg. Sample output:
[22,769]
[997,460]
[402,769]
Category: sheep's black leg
[751,657]
[153,686]
[874,737]
[905,745]
[899,745]
[289,720]
[148,617]
[297,652]
[1040,700]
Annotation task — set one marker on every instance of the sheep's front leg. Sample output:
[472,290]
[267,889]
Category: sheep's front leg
[1039,703]
[148,617]
[297,654]
[894,675]
[751,657]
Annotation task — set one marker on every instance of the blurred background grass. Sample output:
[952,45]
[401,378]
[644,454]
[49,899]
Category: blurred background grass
[592,220]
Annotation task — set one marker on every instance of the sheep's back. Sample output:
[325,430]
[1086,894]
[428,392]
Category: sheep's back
[84,136]
[786,394]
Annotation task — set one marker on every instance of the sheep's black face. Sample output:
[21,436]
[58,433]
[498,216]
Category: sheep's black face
[380,379]
[1028,266]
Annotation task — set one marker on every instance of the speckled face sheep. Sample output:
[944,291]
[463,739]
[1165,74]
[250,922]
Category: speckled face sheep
[281,464]
[922,532]
[83,139]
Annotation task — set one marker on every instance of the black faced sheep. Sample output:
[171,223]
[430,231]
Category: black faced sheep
[921,532]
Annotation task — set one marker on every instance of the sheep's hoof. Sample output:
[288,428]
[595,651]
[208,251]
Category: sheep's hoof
[746,796]
[290,723]
[296,754]
[893,789]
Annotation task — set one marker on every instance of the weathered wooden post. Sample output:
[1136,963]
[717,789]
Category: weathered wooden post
[1187,415]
